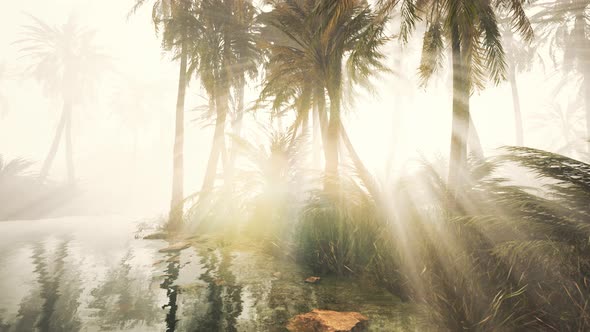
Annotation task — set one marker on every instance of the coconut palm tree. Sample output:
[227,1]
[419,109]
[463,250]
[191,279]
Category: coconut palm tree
[565,25]
[66,61]
[519,58]
[470,29]
[322,42]
[176,20]
[225,57]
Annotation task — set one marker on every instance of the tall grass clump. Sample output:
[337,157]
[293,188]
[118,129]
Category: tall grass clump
[494,256]
[342,233]
[501,256]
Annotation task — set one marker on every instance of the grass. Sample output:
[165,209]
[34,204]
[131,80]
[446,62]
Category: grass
[500,257]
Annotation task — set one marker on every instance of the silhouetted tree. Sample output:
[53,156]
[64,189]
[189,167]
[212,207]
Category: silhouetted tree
[68,63]
[471,29]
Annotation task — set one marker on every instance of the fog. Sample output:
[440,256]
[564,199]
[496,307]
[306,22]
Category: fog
[300,165]
[123,130]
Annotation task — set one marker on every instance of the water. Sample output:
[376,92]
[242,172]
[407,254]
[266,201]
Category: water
[96,274]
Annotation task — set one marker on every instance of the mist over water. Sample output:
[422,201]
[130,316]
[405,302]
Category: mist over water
[198,165]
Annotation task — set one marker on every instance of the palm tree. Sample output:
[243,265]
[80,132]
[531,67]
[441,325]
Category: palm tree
[66,62]
[519,58]
[310,42]
[177,21]
[471,30]
[225,56]
[564,24]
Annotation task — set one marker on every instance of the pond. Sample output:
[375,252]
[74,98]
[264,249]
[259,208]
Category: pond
[97,274]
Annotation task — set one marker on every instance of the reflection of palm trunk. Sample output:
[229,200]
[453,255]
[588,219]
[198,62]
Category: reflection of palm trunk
[49,286]
[55,143]
[172,290]
[516,105]
[176,206]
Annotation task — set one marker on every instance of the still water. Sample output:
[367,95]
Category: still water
[97,274]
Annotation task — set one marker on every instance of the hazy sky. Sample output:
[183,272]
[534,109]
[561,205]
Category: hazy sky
[107,154]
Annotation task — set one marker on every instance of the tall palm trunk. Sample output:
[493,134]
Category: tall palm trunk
[316,144]
[583,47]
[587,103]
[176,204]
[217,145]
[460,125]
[516,105]
[474,142]
[333,135]
[363,172]
[69,150]
[55,143]
[236,129]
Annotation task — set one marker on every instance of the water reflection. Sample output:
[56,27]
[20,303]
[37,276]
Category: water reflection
[222,295]
[53,301]
[172,290]
[124,299]
[73,276]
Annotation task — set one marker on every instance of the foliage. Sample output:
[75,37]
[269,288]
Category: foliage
[65,60]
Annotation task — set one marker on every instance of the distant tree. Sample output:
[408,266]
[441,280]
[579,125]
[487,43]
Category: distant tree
[471,29]
[565,26]
[66,61]
[519,58]
[563,128]
[176,21]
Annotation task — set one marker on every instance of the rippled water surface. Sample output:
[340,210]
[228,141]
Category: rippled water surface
[96,274]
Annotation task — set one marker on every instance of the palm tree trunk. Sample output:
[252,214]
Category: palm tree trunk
[474,142]
[55,143]
[516,105]
[295,129]
[69,150]
[237,130]
[587,103]
[333,132]
[364,173]
[316,144]
[176,204]
[460,124]
[218,136]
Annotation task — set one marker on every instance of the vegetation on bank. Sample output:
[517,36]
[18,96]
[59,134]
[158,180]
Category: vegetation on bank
[475,247]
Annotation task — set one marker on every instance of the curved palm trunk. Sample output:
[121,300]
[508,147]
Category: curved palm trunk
[460,125]
[364,173]
[516,105]
[236,130]
[474,142]
[55,143]
[176,204]
[69,150]
[218,138]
